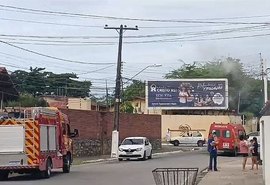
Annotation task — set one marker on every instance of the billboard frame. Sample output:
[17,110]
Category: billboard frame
[190,108]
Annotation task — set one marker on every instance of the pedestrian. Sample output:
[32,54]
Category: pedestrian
[243,150]
[255,154]
[212,149]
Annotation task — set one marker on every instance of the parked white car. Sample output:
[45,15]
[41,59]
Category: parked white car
[135,148]
[254,134]
[189,138]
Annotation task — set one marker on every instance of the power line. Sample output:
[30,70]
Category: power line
[52,57]
[69,14]
[96,70]
[51,23]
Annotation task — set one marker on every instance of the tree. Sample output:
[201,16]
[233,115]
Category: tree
[126,107]
[27,100]
[40,82]
[241,84]
[136,89]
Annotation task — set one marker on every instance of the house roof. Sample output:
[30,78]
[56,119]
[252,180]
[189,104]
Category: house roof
[6,85]
[265,110]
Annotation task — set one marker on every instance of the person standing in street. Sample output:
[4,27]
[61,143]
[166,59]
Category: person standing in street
[243,150]
[212,149]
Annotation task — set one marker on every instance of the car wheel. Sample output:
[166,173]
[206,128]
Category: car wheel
[200,143]
[4,175]
[150,156]
[120,159]
[67,164]
[176,143]
[144,156]
[47,173]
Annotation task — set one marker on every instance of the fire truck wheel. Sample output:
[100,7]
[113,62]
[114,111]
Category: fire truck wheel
[67,163]
[4,175]
[47,173]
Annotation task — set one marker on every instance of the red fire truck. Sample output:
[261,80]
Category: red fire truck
[228,136]
[36,142]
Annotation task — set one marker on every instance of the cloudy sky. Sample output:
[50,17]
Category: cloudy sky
[182,31]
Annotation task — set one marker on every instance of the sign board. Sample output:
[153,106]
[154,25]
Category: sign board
[187,94]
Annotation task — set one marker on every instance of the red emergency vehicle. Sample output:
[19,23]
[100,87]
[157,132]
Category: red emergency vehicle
[228,136]
[36,142]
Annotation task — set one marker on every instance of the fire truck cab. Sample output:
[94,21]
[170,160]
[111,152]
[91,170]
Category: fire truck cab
[37,142]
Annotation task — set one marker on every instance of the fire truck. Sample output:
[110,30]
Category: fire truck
[36,142]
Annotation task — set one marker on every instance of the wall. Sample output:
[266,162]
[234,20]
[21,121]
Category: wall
[265,148]
[79,103]
[95,130]
[194,121]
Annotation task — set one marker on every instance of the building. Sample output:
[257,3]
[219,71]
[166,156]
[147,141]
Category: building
[74,103]
[265,136]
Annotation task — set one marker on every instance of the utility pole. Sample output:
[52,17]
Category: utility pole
[264,78]
[107,101]
[115,134]
[2,101]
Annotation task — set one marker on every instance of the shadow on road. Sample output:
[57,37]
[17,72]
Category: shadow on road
[31,177]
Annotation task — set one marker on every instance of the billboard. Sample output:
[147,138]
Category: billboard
[187,94]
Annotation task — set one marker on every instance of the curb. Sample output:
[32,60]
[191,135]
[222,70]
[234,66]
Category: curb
[114,159]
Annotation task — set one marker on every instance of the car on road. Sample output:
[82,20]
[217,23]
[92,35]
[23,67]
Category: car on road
[189,138]
[135,148]
[254,134]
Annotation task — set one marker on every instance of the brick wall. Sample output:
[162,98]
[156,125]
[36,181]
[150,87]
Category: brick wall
[95,130]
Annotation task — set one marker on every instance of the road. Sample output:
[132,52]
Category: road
[116,173]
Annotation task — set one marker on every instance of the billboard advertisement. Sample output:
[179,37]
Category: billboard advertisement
[187,94]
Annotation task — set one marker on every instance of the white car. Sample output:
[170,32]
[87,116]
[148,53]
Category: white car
[135,148]
[189,138]
[254,134]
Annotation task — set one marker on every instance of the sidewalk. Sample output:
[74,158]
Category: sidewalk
[230,173]
[165,150]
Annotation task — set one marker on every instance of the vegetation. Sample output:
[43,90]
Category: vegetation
[27,100]
[40,82]
[242,84]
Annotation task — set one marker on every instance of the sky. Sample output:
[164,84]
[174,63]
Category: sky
[171,40]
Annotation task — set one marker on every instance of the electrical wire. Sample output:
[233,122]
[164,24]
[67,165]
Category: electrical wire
[69,14]
[51,57]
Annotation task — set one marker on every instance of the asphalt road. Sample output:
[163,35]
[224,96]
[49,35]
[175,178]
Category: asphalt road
[116,173]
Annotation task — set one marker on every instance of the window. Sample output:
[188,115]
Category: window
[132,142]
[217,132]
[226,134]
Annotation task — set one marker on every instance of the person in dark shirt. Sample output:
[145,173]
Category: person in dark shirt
[255,153]
[212,149]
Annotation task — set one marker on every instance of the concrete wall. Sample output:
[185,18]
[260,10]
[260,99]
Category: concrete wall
[95,130]
[79,103]
[194,121]
[265,148]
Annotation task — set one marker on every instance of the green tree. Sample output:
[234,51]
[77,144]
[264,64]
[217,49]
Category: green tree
[27,100]
[136,89]
[126,107]
[241,84]
[40,82]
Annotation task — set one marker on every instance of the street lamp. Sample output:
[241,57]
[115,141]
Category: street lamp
[152,65]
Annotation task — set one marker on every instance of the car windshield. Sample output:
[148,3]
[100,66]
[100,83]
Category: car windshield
[132,142]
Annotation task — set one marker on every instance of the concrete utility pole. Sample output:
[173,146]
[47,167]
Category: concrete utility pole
[115,134]
[264,78]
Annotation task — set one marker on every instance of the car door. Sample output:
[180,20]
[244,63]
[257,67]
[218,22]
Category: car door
[147,147]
